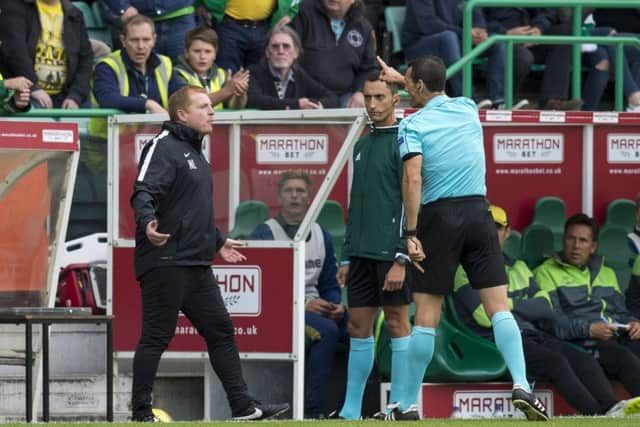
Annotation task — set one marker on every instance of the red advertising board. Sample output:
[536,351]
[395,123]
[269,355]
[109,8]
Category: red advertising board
[268,150]
[616,166]
[258,294]
[39,135]
[132,138]
[525,163]
[487,400]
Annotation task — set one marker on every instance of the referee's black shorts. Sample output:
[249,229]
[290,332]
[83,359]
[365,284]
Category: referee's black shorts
[455,231]
[365,281]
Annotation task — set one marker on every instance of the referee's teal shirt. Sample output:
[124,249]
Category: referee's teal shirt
[448,135]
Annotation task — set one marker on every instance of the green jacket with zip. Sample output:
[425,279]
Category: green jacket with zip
[374,220]
[584,295]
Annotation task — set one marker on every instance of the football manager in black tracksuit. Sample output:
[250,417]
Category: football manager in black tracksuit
[176,241]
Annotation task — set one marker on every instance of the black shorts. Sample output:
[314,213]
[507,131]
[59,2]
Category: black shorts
[365,281]
[458,231]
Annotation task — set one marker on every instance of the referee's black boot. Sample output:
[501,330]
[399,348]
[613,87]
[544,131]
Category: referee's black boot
[528,403]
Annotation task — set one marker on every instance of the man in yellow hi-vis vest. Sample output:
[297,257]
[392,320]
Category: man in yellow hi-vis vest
[135,79]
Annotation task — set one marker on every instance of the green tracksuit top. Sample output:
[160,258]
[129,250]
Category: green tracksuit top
[374,221]
[584,295]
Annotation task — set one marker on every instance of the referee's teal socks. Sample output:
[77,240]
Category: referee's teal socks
[360,365]
[399,367]
[420,354]
[509,342]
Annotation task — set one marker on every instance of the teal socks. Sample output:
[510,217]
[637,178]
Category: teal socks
[509,342]
[399,367]
[360,365]
[420,354]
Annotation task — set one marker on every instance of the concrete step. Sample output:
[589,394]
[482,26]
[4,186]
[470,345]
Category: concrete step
[71,398]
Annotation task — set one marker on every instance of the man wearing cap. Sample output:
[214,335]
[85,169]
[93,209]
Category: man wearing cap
[576,374]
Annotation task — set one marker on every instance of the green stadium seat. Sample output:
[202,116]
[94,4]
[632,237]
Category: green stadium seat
[613,246]
[537,242]
[459,356]
[97,14]
[621,213]
[331,217]
[87,14]
[513,245]
[393,20]
[551,211]
[96,28]
[249,214]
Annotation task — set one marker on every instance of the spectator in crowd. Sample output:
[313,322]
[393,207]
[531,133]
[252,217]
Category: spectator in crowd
[197,67]
[632,296]
[576,374]
[557,58]
[278,83]
[242,26]
[172,18]
[590,309]
[434,27]
[339,46]
[176,241]
[324,313]
[46,41]
[601,62]
[135,79]
[374,251]
[634,235]
[15,94]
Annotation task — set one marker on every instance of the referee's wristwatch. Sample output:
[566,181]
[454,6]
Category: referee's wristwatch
[402,259]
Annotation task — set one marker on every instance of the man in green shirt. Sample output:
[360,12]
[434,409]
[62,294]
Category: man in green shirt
[593,309]
[374,250]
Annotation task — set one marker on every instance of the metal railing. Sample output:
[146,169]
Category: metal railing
[58,113]
[466,60]
[575,39]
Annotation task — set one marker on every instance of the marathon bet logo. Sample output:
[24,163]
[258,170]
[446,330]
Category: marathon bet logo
[283,149]
[486,403]
[241,288]
[528,148]
[141,140]
[623,148]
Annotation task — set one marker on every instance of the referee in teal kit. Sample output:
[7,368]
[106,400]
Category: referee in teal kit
[448,223]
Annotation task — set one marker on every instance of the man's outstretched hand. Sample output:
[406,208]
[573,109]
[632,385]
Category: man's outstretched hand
[229,253]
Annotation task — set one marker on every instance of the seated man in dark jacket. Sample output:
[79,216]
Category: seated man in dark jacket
[278,83]
[575,373]
[47,43]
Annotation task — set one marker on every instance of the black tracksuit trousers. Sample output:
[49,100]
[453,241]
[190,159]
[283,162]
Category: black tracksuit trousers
[192,290]
[575,373]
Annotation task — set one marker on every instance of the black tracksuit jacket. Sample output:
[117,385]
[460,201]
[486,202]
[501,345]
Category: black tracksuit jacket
[174,186]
